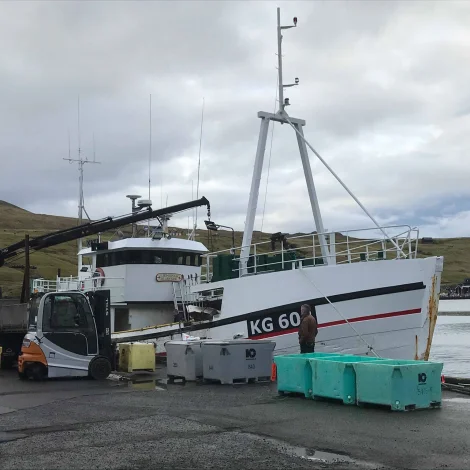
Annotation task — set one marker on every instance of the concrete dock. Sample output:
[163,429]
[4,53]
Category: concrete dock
[79,424]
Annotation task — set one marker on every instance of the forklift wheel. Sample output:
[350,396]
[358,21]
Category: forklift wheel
[35,371]
[100,368]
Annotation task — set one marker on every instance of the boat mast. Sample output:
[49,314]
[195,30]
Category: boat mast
[297,124]
[279,58]
[81,162]
[282,117]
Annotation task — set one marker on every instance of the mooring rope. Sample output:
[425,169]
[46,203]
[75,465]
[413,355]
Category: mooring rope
[339,313]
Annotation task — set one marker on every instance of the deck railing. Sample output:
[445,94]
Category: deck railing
[71,283]
[361,245]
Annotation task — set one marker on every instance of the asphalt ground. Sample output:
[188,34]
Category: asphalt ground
[77,424]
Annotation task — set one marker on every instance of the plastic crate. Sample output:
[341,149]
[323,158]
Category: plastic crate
[237,361]
[136,356]
[335,377]
[402,385]
[184,359]
[294,373]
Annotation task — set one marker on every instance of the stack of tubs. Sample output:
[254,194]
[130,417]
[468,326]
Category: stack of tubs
[400,385]
[227,362]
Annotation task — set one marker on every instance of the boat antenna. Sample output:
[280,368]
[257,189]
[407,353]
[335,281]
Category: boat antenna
[81,162]
[150,155]
[161,184]
[199,163]
[192,198]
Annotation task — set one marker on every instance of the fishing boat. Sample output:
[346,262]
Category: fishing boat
[370,292]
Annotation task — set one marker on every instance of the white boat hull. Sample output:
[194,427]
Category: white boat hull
[384,307]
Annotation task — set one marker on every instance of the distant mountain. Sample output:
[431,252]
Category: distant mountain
[15,222]
[11,206]
[15,218]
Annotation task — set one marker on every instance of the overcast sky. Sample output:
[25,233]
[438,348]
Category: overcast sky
[384,88]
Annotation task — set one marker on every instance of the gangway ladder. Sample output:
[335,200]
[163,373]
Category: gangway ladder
[178,299]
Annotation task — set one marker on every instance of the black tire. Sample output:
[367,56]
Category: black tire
[22,376]
[100,368]
[35,371]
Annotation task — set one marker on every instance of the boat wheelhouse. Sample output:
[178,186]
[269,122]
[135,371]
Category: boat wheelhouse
[140,274]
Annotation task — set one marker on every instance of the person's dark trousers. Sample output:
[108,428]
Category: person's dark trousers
[307,348]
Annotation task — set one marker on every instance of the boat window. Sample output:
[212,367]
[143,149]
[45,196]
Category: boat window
[118,258]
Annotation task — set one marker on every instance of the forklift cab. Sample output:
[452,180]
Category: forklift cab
[69,335]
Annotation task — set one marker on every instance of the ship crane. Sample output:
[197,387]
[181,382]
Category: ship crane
[90,228]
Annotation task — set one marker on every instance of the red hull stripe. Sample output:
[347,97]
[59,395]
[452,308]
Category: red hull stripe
[341,322]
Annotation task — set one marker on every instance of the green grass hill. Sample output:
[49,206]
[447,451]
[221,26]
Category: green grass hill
[15,222]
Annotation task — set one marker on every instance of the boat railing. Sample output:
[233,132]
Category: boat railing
[342,247]
[114,284]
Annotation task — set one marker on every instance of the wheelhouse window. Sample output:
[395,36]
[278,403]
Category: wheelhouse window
[117,258]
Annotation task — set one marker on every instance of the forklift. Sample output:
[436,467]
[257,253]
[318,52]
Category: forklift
[69,335]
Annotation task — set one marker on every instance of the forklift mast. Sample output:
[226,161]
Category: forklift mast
[100,302]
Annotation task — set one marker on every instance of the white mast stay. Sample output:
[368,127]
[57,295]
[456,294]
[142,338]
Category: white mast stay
[297,124]
[192,235]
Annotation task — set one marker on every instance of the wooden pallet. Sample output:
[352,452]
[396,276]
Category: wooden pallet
[411,407]
[238,381]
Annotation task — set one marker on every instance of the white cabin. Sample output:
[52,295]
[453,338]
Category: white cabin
[139,272]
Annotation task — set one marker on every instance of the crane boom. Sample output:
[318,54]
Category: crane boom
[91,228]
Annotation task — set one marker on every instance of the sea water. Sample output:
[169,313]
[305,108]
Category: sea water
[451,344]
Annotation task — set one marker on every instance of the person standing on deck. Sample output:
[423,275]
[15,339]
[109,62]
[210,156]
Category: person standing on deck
[308,330]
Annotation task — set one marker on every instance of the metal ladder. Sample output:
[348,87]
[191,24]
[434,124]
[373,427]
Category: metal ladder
[178,298]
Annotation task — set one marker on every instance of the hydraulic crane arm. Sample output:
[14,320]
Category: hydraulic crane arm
[91,228]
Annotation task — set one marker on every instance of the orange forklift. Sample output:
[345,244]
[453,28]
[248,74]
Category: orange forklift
[69,335]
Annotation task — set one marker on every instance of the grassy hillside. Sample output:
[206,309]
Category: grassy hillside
[16,222]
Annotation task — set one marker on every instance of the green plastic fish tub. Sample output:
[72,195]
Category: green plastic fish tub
[335,377]
[294,373]
[402,385]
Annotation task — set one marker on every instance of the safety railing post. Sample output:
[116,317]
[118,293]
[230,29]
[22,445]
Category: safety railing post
[409,244]
[254,260]
[313,248]
[282,255]
[416,242]
[332,249]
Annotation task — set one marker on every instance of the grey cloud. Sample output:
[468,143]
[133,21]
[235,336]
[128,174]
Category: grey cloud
[383,90]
